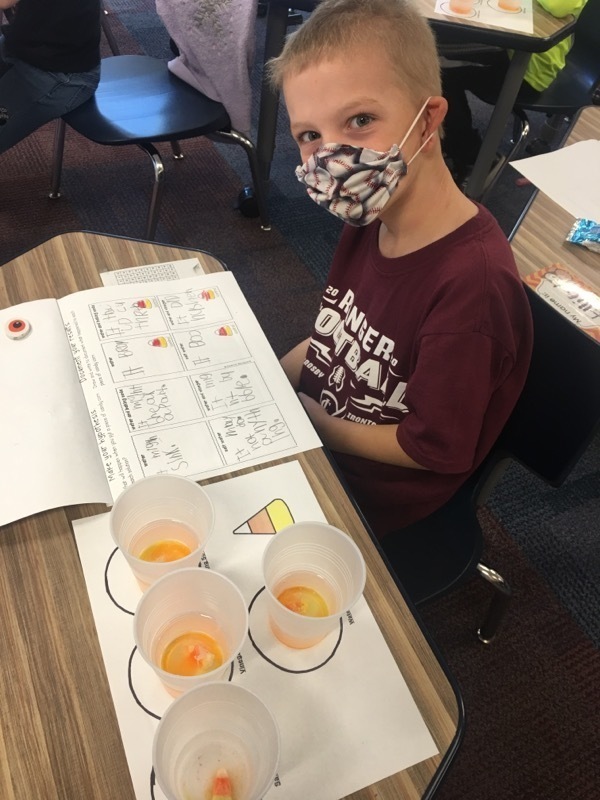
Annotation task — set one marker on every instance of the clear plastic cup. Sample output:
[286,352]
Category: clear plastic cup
[181,609]
[212,727]
[165,511]
[312,567]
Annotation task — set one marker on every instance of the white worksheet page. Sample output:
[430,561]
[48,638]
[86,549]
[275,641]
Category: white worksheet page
[346,716]
[49,452]
[178,377]
[570,176]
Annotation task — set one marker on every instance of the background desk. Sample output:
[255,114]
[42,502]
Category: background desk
[538,239]
[59,736]
[547,31]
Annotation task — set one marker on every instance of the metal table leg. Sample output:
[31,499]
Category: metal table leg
[500,115]
[277,20]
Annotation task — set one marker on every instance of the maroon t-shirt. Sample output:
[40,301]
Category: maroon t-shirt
[438,341]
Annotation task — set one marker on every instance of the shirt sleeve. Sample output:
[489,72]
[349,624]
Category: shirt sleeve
[448,395]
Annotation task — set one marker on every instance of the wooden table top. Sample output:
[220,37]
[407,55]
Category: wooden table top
[59,736]
[539,237]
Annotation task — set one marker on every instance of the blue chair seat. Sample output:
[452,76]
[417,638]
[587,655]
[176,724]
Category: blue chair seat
[140,102]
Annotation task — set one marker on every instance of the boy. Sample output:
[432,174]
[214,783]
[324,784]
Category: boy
[49,63]
[422,343]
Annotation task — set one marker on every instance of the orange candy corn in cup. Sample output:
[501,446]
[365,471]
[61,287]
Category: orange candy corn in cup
[214,739]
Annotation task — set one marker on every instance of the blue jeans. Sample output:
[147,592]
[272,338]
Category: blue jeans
[30,97]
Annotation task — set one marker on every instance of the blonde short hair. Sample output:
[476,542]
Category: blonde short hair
[341,26]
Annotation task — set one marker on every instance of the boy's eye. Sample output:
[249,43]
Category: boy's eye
[360,120]
[308,136]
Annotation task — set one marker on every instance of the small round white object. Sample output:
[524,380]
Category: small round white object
[17,328]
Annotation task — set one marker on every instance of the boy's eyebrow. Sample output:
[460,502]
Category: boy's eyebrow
[352,105]
[358,101]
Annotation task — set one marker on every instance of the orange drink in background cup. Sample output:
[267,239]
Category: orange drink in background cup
[510,5]
[216,728]
[463,7]
[160,524]
[189,626]
[313,574]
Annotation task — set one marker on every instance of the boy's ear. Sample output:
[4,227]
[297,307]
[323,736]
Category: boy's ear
[437,108]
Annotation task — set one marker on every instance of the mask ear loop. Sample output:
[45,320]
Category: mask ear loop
[410,130]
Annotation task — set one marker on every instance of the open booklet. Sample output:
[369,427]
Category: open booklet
[117,383]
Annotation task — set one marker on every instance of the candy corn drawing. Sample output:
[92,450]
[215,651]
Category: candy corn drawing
[222,786]
[159,341]
[142,304]
[224,330]
[207,294]
[270,519]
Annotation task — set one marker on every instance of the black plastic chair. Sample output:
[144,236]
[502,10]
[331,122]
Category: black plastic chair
[554,420]
[139,102]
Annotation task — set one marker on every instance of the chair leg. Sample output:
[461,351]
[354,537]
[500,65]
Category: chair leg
[498,605]
[57,158]
[106,29]
[520,133]
[177,151]
[259,187]
[157,189]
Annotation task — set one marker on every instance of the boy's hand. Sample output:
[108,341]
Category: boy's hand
[377,442]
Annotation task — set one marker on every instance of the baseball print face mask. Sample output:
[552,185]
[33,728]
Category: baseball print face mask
[355,183]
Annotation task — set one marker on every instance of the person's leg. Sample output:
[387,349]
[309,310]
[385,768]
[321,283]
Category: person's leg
[30,97]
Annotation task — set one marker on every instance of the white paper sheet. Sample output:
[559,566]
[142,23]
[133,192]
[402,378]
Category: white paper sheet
[175,377]
[49,453]
[151,273]
[569,176]
[346,716]
[491,13]
[179,377]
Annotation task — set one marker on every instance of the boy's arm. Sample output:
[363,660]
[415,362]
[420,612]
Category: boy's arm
[561,8]
[292,362]
[4,4]
[376,442]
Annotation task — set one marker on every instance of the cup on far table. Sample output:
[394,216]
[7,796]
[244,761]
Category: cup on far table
[214,730]
[313,574]
[462,7]
[160,524]
[509,5]
[189,626]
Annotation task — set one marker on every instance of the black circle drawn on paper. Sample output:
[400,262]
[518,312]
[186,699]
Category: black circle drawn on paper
[107,587]
[134,693]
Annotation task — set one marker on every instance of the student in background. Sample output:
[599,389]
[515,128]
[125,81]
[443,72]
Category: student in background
[422,343]
[461,139]
[49,62]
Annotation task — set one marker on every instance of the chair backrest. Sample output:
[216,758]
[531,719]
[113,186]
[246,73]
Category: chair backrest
[559,409]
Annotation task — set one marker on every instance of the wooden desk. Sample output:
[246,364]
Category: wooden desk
[538,238]
[59,736]
[547,31]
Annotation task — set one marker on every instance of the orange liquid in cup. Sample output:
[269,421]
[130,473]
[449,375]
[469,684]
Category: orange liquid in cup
[163,540]
[165,550]
[509,5]
[461,6]
[304,600]
[192,653]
